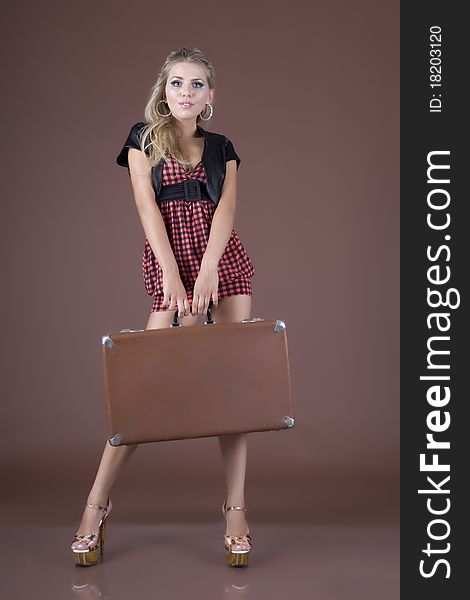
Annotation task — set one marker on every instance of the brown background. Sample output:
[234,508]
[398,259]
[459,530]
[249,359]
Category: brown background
[309,94]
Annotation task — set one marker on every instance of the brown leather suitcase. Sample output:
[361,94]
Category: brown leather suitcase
[205,380]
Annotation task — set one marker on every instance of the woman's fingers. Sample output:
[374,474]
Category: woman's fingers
[195,302]
[200,303]
[176,298]
[171,301]
[204,304]
[183,305]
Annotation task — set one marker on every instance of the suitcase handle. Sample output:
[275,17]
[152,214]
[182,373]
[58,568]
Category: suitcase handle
[209,321]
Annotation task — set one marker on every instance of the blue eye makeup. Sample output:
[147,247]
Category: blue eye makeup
[198,84]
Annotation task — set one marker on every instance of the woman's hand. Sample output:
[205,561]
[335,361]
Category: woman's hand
[205,286]
[174,293]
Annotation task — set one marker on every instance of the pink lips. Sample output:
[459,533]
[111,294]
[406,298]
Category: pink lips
[186,104]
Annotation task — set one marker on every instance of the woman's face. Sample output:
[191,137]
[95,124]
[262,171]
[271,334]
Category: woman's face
[187,90]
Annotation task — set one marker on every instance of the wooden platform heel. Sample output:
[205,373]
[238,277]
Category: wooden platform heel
[84,547]
[238,546]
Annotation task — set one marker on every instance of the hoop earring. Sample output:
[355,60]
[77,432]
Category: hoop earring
[156,108]
[200,114]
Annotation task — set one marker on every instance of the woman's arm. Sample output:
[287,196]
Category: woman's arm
[174,293]
[207,281]
[223,219]
[150,215]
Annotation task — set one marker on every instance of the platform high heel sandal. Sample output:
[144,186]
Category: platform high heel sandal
[86,557]
[238,546]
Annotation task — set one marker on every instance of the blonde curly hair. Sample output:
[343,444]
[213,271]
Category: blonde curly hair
[160,136]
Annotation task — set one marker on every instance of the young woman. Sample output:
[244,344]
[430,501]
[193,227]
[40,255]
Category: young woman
[184,183]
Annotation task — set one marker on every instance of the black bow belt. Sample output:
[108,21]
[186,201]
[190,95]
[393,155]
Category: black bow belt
[189,189]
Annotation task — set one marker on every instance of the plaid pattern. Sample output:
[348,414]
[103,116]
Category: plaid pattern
[188,225]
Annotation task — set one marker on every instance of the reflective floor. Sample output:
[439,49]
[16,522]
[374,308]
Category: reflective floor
[172,561]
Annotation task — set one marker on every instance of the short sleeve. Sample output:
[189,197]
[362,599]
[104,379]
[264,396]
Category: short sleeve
[230,153]
[132,141]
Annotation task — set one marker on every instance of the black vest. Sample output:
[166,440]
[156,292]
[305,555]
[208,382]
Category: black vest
[217,150]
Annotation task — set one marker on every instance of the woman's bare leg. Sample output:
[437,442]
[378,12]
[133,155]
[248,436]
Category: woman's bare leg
[234,447]
[112,461]
[115,457]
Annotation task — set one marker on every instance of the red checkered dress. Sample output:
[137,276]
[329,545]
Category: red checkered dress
[188,224]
